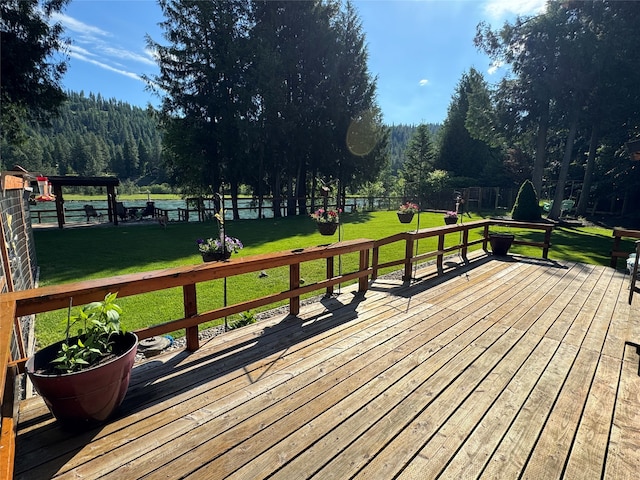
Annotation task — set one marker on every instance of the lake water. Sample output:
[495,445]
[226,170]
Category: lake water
[75,209]
[45,212]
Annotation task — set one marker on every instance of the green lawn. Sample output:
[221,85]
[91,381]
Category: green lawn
[79,254]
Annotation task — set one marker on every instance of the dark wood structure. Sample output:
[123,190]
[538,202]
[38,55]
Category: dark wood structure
[57,182]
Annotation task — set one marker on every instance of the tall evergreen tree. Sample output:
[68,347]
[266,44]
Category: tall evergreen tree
[204,89]
[31,73]
[420,157]
[459,153]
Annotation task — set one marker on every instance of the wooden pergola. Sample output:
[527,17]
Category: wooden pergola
[57,182]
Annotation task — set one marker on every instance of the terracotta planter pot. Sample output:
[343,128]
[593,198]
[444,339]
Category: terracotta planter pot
[88,396]
[500,243]
[215,256]
[405,217]
[450,220]
[327,228]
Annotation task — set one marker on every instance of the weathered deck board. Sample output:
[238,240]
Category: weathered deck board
[494,370]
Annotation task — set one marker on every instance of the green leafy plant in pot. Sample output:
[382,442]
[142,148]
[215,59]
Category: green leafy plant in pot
[84,378]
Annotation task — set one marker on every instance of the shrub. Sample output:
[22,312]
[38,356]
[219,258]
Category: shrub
[527,207]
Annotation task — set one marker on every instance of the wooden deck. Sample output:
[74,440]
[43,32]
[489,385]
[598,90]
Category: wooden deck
[500,369]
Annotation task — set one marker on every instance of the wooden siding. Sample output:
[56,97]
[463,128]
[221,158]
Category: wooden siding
[499,369]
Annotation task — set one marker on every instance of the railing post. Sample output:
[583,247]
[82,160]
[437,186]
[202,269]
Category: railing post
[465,243]
[191,310]
[374,263]
[485,238]
[616,247]
[440,257]
[407,258]
[547,242]
[330,270]
[294,282]
[363,282]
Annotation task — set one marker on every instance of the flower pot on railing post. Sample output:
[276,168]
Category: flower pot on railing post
[500,243]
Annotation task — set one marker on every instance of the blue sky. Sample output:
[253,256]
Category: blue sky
[418,49]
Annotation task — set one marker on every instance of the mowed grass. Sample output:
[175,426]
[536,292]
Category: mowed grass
[70,255]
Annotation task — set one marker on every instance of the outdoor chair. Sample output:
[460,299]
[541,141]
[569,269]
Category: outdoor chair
[149,210]
[121,211]
[91,212]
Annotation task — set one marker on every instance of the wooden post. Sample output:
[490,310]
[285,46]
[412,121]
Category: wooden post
[57,191]
[616,247]
[330,270]
[408,255]
[363,282]
[294,282]
[465,244]
[191,310]
[547,243]
[485,238]
[440,257]
[374,263]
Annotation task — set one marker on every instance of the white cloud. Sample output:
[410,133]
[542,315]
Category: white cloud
[499,9]
[105,66]
[77,26]
[127,55]
[495,66]
[94,45]
[423,82]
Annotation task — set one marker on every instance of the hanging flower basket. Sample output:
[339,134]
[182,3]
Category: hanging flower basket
[405,217]
[327,228]
[450,220]
[215,256]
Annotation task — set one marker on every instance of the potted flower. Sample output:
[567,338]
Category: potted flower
[84,378]
[213,249]
[407,211]
[327,220]
[451,218]
[500,243]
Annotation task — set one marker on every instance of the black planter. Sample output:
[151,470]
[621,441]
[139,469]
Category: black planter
[87,396]
[327,228]
[405,217]
[215,256]
[500,243]
[450,220]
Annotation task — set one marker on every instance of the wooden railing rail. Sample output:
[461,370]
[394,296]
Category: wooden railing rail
[618,234]
[55,297]
[462,229]
[546,227]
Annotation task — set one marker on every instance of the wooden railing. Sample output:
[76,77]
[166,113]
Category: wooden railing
[14,305]
[462,231]
[616,253]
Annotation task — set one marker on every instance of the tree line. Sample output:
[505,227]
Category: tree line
[93,136]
